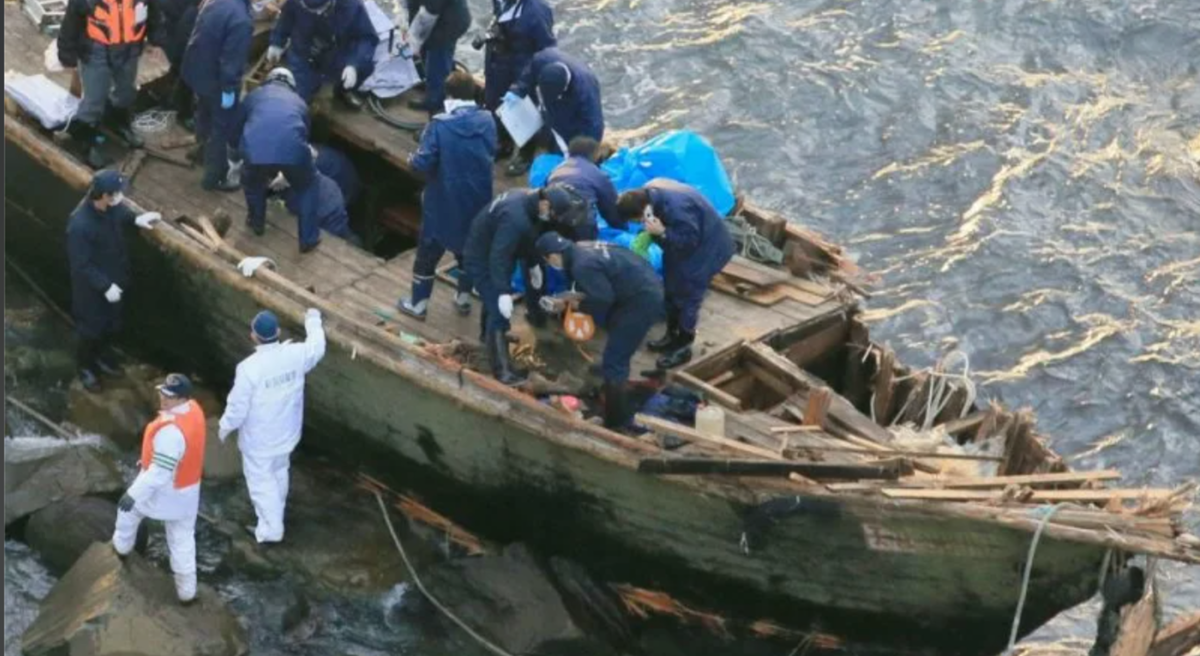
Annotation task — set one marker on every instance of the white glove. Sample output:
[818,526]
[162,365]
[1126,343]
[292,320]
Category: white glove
[313,149]
[279,183]
[506,305]
[312,313]
[146,221]
[274,53]
[535,276]
[550,304]
[114,294]
[349,77]
[250,264]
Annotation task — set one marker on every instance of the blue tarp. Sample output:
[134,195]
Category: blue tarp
[680,155]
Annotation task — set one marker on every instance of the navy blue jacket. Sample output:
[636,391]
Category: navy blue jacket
[591,183]
[219,47]
[456,156]
[273,122]
[454,19]
[697,243]
[502,234]
[577,112]
[520,38]
[98,258]
[179,17]
[613,279]
[336,165]
[331,206]
[343,37]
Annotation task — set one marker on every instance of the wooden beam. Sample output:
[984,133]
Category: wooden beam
[813,346]
[692,435]
[818,405]
[1178,638]
[714,394]
[884,451]
[884,386]
[1032,480]
[759,275]
[795,429]
[770,380]
[1081,496]
[811,470]
[723,378]
[971,422]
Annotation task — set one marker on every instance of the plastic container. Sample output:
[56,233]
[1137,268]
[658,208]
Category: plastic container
[710,420]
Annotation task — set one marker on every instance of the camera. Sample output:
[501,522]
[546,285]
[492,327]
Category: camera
[492,34]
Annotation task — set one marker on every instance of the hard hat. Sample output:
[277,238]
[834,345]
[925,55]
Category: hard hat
[281,74]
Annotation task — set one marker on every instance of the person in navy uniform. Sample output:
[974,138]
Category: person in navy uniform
[179,17]
[100,273]
[568,94]
[213,66]
[620,286]
[331,211]
[337,166]
[580,171]
[521,28]
[456,155]
[503,234]
[696,245]
[434,28]
[273,123]
[326,41]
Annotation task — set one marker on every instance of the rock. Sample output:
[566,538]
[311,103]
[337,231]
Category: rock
[119,411]
[62,531]
[505,597]
[594,606]
[39,471]
[221,461]
[107,607]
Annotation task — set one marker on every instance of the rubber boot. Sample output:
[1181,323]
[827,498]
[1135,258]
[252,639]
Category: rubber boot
[617,414]
[679,353]
[502,369]
[121,122]
[667,341]
[88,143]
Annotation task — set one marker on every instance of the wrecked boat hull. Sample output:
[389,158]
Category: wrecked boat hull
[892,575]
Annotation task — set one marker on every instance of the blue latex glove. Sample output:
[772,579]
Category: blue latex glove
[227,98]
[510,97]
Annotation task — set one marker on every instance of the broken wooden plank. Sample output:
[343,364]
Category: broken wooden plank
[712,393]
[818,406]
[841,411]
[1080,496]
[730,467]
[884,451]
[819,344]
[723,378]
[971,422]
[688,433]
[884,386]
[796,429]
[1178,638]
[765,296]
[759,275]
[770,380]
[1032,480]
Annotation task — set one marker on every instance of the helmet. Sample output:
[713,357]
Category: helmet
[567,206]
[553,81]
[281,74]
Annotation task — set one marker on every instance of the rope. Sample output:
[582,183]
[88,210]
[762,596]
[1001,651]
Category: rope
[42,419]
[380,113]
[152,121]
[941,389]
[1047,513]
[490,646]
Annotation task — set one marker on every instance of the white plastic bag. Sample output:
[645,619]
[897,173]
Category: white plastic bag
[52,63]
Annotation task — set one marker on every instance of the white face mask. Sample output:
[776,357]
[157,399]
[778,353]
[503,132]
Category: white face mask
[117,199]
[648,213]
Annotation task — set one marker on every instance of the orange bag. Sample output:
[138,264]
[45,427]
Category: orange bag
[578,326]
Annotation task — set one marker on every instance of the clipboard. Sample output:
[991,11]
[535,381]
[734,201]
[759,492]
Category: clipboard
[522,120]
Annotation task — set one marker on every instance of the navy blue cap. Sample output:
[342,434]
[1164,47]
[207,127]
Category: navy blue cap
[108,181]
[551,242]
[175,385]
[554,80]
[265,326]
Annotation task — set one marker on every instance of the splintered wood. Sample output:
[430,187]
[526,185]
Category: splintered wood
[414,510]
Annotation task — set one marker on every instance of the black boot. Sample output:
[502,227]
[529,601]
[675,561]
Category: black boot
[502,369]
[667,341]
[349,98]
[87,146]
[617,414]
[679,353]
[121,122]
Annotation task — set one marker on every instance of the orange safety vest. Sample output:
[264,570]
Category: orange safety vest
[114,22]
[191,423]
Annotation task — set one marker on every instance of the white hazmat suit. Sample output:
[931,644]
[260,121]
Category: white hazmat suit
[266,406]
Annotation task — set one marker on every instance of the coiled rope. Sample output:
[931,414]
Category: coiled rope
[489,645]
[941,388]
[153,121]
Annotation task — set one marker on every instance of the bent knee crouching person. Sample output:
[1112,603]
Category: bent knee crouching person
[266,407]
[167,487]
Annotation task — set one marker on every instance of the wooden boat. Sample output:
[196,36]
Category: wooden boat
[807,512]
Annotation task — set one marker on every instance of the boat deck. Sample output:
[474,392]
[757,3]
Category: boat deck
[364,285]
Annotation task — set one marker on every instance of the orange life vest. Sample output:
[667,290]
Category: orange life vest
[190,467]
[114,22]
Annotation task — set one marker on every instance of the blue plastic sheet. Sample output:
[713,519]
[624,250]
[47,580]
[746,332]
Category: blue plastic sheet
[680,155]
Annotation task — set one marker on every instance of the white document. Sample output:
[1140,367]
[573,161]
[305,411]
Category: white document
[522,120]
[394,73]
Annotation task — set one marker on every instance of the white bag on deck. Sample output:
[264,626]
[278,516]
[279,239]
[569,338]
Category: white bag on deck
[52,63]
[37,94]
[395,71]
[522,120]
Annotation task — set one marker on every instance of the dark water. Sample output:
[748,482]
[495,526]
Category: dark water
[1024,176]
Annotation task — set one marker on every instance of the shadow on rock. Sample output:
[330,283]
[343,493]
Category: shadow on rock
[39,471]
[61,532]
